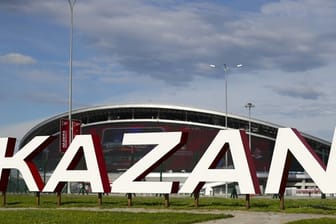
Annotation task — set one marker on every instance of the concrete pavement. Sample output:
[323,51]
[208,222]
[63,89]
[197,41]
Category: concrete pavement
[247,217]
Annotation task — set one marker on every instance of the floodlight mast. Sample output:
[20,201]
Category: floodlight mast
[71,4]
[226,69]
[249,106]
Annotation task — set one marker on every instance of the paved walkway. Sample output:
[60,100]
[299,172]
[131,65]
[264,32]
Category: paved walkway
[245,217]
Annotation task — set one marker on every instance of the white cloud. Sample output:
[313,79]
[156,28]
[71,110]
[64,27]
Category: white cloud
[149,51]
[173,37]
[17,58]
[160,41]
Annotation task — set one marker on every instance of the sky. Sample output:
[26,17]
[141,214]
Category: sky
[159,52]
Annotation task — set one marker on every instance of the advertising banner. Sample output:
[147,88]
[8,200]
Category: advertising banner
[64,132]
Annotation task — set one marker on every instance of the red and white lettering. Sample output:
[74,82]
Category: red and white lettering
[290,143]
[86,146]
[244,172]
[22,161]
[167,143]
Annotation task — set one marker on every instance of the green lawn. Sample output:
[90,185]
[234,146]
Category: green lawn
[49,212]
[306,205]
[51,216]
[315,221]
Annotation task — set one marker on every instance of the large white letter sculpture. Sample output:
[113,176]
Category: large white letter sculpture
[244,171]
[290,143]
[89,147]
[22,161]
[167,143]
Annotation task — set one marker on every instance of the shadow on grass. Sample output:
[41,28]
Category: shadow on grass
[14,203]
[323,207]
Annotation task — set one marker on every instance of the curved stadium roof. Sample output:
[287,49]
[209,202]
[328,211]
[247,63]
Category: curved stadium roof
[165,113]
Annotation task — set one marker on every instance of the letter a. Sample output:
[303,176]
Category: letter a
[96,170]
[243,173]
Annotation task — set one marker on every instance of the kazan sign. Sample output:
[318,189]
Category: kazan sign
[289,143]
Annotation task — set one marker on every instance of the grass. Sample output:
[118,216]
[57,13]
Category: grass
[297,205]
[91,217]
[266,204]
[55,214]
[315,221]
[49,212]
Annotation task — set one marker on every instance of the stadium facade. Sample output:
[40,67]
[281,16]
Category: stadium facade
[111,122]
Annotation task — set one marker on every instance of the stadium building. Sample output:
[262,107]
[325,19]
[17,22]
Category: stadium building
[111,122]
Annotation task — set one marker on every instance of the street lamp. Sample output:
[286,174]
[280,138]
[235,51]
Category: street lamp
[71,4]
[226,69]
[249,106]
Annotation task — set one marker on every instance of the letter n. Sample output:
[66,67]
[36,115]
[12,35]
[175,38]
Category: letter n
[89,147]
[244,171]
[289,144]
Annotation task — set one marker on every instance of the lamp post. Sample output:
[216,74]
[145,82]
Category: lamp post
[249,106]
[71,4]
[226,69]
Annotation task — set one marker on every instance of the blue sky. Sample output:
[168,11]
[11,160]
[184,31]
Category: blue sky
[144,51]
